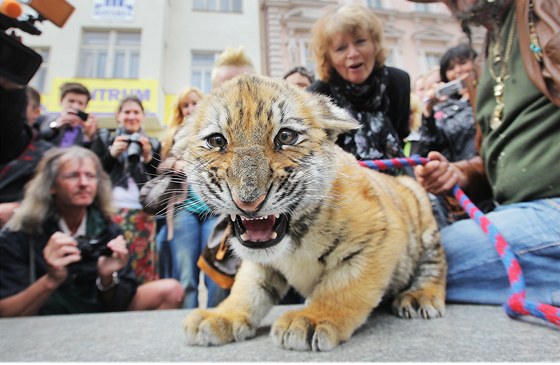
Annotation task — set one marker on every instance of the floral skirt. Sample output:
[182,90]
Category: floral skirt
[139,231]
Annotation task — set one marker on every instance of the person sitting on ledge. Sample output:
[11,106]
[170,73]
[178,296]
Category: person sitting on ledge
[61,253]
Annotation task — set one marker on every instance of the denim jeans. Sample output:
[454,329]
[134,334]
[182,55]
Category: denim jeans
[476,273]
[178,257]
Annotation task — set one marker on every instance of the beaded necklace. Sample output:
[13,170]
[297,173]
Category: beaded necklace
[501,58]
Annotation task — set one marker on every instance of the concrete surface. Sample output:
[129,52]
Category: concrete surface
[465,334]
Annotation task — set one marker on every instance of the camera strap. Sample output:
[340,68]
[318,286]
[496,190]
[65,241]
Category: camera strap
[32,273]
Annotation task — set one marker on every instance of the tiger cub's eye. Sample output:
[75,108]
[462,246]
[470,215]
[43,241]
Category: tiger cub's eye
[216,141]
[286,137]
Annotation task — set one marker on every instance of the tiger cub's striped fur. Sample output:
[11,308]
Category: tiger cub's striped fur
[305,214]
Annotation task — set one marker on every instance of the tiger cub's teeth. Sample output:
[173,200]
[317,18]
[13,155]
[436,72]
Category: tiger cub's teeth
[273,235]
[232,217]
[244,236]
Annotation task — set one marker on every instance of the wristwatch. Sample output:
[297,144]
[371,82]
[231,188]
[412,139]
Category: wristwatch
[53,124]
[115,282]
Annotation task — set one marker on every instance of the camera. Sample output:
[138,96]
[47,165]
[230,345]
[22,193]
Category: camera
[93,248]
[82,115]
[19,63]
[134,150]
[450,88]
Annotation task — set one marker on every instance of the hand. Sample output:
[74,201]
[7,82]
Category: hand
[438,176]
[90,126]
[171,164]
[68,118]
[120,144]
[60,251]
[146,148]
[107,265]
[7,211]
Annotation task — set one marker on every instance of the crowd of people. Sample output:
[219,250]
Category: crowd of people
[77,239]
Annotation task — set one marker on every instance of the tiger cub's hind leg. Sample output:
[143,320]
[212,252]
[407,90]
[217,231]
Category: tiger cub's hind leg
[426,296]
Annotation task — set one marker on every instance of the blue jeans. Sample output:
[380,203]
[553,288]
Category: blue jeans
[476,273]
[178,257]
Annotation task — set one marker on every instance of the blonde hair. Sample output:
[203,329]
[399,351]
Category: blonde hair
[38,205]
[177,118]
[231,57]
[346,19]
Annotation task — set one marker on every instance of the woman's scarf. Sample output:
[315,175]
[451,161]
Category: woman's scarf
[369,104]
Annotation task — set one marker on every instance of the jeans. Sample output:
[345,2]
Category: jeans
[179,256]
[475,271]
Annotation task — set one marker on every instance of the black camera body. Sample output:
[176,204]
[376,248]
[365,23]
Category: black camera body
[93,248]
[83,115]
[134,150]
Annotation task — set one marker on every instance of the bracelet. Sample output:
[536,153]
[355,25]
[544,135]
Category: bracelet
[115,282]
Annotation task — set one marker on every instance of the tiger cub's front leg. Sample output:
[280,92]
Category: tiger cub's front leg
[255,291]
[335,310]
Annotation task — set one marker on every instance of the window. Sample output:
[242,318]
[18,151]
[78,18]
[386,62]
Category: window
[39,80]
[201,70]
[226,6]
[376,4]
[110,54]
[421,8]
[432,59]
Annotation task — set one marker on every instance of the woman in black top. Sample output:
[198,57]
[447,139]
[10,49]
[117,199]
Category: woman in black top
[347,44]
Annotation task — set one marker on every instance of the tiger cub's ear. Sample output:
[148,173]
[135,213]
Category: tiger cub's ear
[334,119]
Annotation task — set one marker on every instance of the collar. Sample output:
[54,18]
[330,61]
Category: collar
[81,231]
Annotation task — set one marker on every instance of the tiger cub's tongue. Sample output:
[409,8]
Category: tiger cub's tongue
[259,230]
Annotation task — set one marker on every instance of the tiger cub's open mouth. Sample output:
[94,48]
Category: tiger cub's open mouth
[260,232]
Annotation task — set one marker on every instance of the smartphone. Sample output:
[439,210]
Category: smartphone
[83,115]
[450,88]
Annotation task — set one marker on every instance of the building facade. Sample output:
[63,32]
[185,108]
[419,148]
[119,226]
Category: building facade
[153,48]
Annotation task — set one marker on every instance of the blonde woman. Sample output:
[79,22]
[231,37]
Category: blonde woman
[181,239]
[349,53]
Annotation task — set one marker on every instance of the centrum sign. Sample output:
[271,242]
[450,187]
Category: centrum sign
[106,94]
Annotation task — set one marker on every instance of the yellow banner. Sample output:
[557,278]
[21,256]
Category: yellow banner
[106,94]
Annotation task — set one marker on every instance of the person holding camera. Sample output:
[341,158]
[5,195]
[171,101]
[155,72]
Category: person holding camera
[72,126]
[448,124]
[517,111]
[130,157]
[61,253]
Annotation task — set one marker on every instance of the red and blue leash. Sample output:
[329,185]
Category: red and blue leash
[517,304]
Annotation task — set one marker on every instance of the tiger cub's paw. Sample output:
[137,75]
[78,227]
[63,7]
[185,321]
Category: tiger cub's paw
[418,304]
[296,331]
[209,327]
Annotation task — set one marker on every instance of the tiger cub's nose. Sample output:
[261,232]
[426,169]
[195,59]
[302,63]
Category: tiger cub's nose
[249,206]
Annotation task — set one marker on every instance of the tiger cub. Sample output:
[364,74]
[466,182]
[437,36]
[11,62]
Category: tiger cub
[304,213]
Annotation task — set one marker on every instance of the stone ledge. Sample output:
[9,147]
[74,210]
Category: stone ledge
[466,334]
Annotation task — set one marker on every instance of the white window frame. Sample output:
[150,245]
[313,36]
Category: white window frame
[223,6]
[201,69]
[39,80]
[98,60]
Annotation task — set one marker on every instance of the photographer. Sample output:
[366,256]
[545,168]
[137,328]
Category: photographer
[448,124]
[72,126]
[131,158]
[61,253]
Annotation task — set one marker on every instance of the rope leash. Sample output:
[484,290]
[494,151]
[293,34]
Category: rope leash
[517,304]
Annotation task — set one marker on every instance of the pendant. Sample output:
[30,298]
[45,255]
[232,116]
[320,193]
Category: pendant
[498,113]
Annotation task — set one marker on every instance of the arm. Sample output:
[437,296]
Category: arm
[59,252]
